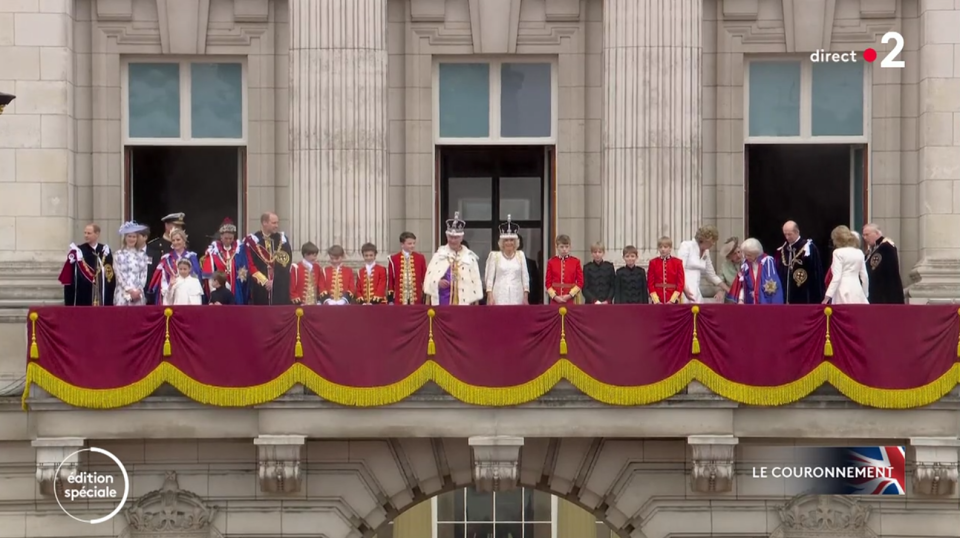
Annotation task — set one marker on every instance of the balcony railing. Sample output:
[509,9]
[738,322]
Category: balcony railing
[877,355]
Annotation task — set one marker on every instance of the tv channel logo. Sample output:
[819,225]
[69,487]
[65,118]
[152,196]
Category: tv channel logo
[890,61]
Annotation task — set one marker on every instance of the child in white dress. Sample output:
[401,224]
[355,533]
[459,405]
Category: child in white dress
[186,290]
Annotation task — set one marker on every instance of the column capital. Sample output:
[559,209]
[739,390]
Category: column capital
[935,469]
[496,462]
[278,462]
[713,460]
[54,453]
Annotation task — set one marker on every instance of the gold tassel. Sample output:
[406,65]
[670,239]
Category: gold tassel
[563,331]
[298,350]
[34,350]
[167,350]
[827,345]
[696,341]
[958,342]
[431,346]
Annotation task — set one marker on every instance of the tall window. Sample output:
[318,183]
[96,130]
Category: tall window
[800,99]
[519,513]
[511,102]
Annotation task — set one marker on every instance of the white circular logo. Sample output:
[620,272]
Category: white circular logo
[83,487]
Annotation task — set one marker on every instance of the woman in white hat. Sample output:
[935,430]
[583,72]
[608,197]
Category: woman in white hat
[130,265]
[507,276]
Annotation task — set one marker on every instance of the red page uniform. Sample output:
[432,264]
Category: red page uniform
[564,276]
[338,285]
[405,274]
[306,283]
[372,285]
[665,280]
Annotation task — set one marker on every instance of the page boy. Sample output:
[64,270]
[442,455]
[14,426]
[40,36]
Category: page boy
[405,272]
[631,280]
[338,280]
[564,274]
[219,294]
[665,278]
[598,277]
[306,278]
[371,278]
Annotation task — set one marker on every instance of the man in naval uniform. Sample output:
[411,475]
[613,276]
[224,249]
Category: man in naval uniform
[799,267]
[883,267]
[158,246]
[453,275]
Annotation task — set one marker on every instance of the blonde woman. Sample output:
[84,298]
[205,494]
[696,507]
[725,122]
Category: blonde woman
[167,272]
[849,283]
[695,256]
[507,277]
[130,265]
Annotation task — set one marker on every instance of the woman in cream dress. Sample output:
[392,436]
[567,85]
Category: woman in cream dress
[507,276]
[695,256]
[849,282]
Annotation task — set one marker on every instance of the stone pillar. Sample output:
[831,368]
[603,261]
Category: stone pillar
[338,123]
[416,522]
[37,142]
[651,177]
[937,274]
[574,522]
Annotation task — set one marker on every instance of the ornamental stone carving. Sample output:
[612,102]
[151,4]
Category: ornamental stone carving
[171,511]
[713,457]
[496,462]
[279,462]
[815,516]
[51,452]
[935,469]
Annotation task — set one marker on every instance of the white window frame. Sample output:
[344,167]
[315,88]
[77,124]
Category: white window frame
[554,506]
[806,106]
[495,75]
[186,98]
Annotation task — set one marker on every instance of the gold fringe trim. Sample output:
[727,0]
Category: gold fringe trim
[827,345]
[492,396]
[696,341]
[167,349]
[34,350]
[431,345]
[298,349]
[563,331]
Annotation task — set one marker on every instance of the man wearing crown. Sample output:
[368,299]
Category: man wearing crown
[268,256]
[453,275]
[224,255]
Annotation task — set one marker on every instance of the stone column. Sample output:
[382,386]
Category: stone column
[651,177]
[338,123]
[938,271]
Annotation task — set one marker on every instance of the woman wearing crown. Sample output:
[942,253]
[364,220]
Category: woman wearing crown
[453,275]
[507,279]
[226,256]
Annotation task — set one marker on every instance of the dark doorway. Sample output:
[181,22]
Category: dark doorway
[486,184]
[203,182]
[806,183]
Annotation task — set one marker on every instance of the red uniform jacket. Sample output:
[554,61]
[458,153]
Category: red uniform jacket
[564,276]
[665,280]
[372,290]
[405,278]
[337,284]
[306,283]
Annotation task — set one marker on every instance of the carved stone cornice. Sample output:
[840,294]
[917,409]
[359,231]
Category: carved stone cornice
[51,452]
[816,516]
[183,25]
[251,10]
[713,462]
[170,511]
[496,462]
[741,10]
[494,26]
[278,459]
[114,10]
[935,470]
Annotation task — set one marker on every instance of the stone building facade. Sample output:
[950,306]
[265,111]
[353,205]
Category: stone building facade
[340,114]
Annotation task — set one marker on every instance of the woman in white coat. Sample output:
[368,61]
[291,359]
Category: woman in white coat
[849,283]
[695,256]
[507,277]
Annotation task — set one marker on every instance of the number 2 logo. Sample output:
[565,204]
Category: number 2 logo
[890,60]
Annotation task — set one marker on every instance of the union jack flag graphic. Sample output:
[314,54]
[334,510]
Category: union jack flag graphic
[888,475]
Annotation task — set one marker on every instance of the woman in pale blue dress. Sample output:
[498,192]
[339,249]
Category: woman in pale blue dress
[130,265]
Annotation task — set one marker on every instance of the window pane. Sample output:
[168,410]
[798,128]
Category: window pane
[538,530]
[472,197]
[837,97]
[521,198]
[539,509]
[481,243]
[448,509]
[154,100]
[479,504]
[526,103]
[479,530]
[216,106]
[774,99]
[464,100]
[509,503]
[451,530]
[508,530]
